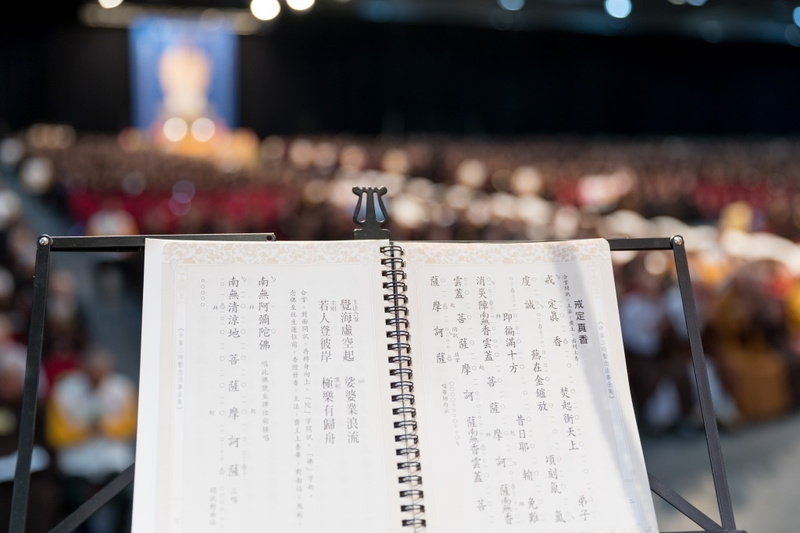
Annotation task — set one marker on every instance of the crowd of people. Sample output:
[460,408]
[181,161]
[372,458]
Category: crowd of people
[734,201]
[299,187]
[86,421]
[85,429]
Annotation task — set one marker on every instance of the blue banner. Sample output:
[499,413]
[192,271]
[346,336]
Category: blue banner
[183,68]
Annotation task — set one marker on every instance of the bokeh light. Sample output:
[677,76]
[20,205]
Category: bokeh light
[300,5]
[265,9]
[618,8]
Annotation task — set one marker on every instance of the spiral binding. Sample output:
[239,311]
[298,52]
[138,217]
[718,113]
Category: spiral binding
[403,399]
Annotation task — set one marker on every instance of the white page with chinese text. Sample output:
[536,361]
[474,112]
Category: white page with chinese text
[264,401]
[525,418]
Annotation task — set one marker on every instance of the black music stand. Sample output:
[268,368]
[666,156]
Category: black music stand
[370,227]
[46,245]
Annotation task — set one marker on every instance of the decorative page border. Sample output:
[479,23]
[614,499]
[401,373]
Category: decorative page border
[447,253]
[288,252]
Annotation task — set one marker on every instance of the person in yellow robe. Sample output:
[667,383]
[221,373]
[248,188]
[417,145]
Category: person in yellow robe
[91,423]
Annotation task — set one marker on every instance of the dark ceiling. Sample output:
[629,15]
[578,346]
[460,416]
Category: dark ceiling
[707,19]
[710,20]
[726,67]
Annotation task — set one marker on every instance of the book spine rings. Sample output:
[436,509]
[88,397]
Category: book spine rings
[405,425]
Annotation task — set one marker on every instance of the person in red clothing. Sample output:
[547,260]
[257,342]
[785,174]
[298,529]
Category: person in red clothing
[65,329]
[43,495]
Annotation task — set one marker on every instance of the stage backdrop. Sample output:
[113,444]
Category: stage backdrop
[183,68]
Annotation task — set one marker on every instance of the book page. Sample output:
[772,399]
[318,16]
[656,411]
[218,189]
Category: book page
[525,417]
[265,390]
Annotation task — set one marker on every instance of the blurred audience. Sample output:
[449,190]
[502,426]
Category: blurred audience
[114,269]
[658,369]
[43,488]
[734,201]
[91,425]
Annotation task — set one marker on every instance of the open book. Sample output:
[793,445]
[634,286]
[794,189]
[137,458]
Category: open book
[376,386]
